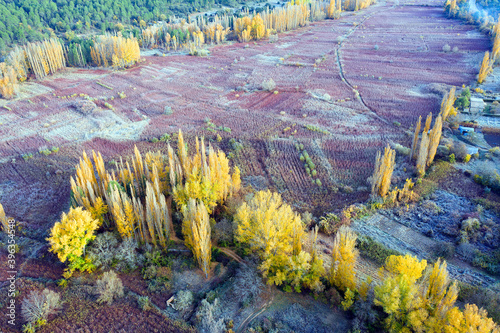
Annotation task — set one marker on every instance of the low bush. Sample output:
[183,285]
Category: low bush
[268,85]
[39,305]
[183,300]
[373,250]
[109,288]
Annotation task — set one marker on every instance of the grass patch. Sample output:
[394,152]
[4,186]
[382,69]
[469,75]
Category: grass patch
[425,187]
[488,204]
[104,85]
[482,297]
[316,129]
[440,171]
[371,249]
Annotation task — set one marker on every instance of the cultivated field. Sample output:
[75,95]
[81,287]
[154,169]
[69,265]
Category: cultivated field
[391,55]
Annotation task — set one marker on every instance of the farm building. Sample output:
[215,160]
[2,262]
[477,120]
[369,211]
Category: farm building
[477,105]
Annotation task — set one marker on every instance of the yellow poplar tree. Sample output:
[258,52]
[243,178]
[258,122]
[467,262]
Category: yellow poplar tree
[344,256]
[268,225]
[447,103]
[496,41]
[434,138]
[69,237]
[486,68]
[414,143]
[384,166]
[476,320]
[398,293]
[196,230]
[3,219]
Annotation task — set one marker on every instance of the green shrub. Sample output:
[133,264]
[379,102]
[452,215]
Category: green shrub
[373,250]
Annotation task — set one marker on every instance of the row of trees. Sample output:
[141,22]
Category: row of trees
[135,198]
[49,56]
[117,51]
[462,10]
[423,149]
[39,58]
[181,35]
[29,21]
[248,27]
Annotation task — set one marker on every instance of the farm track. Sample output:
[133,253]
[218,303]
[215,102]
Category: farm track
[341,71]
[254,315]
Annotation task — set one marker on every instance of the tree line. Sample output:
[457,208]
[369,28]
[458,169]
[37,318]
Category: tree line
[28,20]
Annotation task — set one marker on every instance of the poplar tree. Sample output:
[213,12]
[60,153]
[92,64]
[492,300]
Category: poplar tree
[3,219]
[486,68]
[447,103]
[434,138]
[384,166]
[423,152]
[344,257]
[414,143]
[196,230]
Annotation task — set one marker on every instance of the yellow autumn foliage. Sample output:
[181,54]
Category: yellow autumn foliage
[69,236]
[434,139]
[418,302]
[118,51]
[384,166]
[198,177]
[414,144]
[196,230]
[3,219]
[268,225]
[334,9]
[447,103]
[486,68]
[344,256]
[248,29]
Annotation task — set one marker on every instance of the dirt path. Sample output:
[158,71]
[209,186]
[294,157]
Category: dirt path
[231,254]
[338,50]
[254,315]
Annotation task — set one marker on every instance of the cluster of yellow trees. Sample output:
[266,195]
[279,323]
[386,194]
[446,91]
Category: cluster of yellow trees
[418,298]
[194,34]
[384,166]
[415,297]
[424,151]
[135,197]
[334,9]
[270,228]
[490,59]
[40,58]
[117,51]
[355,5]
[250,28]
[8,81]
[429,142]
[45,57]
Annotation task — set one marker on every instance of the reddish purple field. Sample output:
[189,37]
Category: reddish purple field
[392,55]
